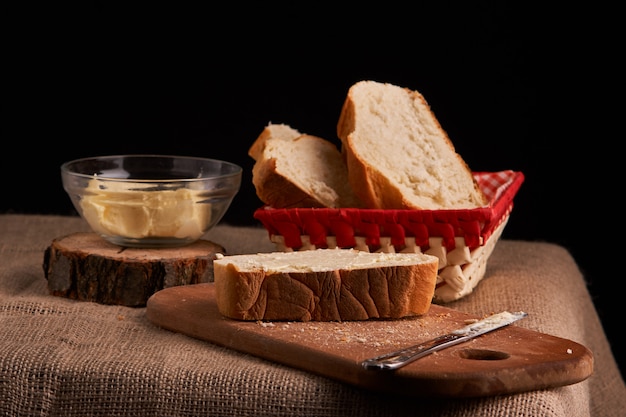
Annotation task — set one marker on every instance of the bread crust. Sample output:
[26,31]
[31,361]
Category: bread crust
[387,292]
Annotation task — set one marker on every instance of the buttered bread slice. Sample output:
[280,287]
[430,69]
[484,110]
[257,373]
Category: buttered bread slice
[324,285]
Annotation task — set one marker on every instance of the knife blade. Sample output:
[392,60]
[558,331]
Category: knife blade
[399,358]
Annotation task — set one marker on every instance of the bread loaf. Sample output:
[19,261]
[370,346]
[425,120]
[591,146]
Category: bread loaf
[299,170]
[397,154]
[324,285]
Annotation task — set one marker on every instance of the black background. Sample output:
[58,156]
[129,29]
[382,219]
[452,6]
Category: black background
[523,89]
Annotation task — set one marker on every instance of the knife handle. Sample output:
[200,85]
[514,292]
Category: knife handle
[395,360]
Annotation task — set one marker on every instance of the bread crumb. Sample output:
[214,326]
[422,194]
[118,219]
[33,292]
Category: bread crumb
[377,335]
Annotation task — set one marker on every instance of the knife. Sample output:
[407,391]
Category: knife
[399,358]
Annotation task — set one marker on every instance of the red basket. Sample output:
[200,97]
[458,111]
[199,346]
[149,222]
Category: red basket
[461,238]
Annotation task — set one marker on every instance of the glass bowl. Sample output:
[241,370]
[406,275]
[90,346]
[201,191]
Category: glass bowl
[151,201]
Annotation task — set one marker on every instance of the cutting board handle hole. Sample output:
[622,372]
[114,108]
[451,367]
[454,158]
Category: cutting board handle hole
[483,354]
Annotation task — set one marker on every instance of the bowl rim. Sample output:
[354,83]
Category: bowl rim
[65,168]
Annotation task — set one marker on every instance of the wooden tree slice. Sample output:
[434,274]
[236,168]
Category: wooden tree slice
[85,267]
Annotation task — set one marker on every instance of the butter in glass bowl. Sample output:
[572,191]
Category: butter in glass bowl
[151,201]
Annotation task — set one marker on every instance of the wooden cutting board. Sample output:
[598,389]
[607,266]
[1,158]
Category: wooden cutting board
[508,360]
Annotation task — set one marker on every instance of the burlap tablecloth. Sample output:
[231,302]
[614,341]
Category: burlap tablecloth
[60,357]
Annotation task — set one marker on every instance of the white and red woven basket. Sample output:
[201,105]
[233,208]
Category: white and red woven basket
[462,239]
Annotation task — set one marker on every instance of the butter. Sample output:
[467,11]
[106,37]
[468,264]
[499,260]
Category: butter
[321,260]
[124,209]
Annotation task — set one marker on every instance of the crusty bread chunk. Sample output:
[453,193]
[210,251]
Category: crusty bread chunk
[397,154]
[276,131]
[324,285]
[305,171]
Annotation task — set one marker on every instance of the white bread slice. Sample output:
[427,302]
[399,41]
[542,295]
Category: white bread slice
[305,171]
[271,131]
[324,285]
[397,154]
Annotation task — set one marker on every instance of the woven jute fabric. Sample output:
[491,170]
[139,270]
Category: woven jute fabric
[62,357]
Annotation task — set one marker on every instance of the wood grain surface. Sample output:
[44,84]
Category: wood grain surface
[85,267]
[509,360]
